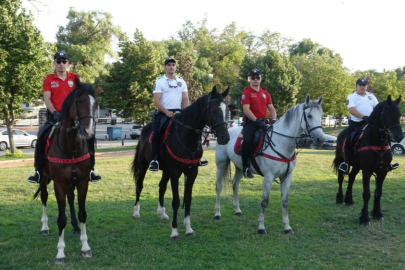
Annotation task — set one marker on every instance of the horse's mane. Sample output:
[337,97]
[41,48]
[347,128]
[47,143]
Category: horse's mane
[198,105]
[81,88]
[294,111]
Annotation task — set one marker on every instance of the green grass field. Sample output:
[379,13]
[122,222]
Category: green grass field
[322,238]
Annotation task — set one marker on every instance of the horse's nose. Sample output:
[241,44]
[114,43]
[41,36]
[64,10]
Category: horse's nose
[224,138]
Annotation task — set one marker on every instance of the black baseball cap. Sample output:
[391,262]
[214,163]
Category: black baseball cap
[361,81]
[254,71]
[60,54]
[168,60]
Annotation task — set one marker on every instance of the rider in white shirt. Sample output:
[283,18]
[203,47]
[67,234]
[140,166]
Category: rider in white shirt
[360,104]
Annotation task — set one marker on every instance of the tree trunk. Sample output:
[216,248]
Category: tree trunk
[9,116]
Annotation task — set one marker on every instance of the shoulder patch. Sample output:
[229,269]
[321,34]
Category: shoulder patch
[243,97]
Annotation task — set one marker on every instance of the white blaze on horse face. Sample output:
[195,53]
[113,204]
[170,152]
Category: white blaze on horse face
[90,130]
[223,108]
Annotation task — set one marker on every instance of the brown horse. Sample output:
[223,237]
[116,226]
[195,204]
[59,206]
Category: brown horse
[69,164]
[181,153]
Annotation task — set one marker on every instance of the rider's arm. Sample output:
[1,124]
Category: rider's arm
[185,100]
[248,112]
[48,102]
[273,113]
[156,98]
[353,111]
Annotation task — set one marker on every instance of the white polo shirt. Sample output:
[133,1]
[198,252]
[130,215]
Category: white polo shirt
[171,90]
[363,104]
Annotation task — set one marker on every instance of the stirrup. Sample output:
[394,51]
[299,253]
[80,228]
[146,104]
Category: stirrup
[97,175]
[247,173]
[395,165]
[344,167]
[154,166]
[31,175]
[203,162]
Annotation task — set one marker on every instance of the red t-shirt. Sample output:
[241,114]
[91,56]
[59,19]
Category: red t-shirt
[59,89]
[258,101]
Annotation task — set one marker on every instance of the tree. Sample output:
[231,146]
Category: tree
[129,85]
[88,39]
[24,61]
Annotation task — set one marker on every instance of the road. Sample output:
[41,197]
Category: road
[101,132]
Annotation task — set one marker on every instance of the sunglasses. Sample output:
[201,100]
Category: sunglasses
[255,77]
[362,84]
[61,61]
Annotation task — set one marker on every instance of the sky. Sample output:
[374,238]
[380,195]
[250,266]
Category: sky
[368,34]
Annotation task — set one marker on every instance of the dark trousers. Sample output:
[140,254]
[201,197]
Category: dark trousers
[156,140]
[353,126]
[249,130]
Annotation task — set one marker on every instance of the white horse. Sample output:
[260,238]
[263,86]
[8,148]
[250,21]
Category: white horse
[277,159]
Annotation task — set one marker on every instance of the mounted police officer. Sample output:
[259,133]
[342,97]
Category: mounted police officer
[169,93]
[255,101]
[56,88]
[360,105]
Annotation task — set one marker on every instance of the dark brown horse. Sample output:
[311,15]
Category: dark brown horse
[182,151]
[69,164]
[373,156]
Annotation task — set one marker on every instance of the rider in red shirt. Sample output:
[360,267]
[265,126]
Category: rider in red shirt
[255,101]
[56,88]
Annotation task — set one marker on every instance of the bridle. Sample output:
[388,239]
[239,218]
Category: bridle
[385,129]
[76,125]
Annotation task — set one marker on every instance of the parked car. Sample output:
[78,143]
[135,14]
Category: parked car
[328,120]
[345,121]
[398,148]
[306,142]
[21,138]
[135,131]
[234,123]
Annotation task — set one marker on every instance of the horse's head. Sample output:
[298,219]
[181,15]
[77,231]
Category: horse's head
[216,109]
[386,115]
[311,120]
[78,110]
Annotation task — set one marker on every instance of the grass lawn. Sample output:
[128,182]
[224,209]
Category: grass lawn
[322,238]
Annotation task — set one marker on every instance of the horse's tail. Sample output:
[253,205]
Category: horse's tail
[227,176]
[339,151]
[37,192]
[135,163]
[184,194]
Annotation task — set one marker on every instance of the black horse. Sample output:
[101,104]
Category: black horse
[181,153]
[69,164]
[372,156]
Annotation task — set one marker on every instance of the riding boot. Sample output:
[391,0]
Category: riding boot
[35,175]
[203,162]
[154,164]
[246,164]
[95,175]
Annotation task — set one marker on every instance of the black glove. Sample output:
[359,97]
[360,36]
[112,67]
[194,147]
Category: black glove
[56,116]
[260,123]
[365,118]
[272,121]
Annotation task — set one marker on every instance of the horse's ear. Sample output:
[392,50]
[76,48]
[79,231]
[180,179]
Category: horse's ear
[389,99]
[98,89]
[320,100]
[214,91]
[398,100]
[307,100]
[225,93]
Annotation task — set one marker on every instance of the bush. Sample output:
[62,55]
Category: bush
[17,154]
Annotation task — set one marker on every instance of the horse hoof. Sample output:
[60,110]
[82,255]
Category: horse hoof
[77,232]
[45,232]
[379,218]
[192,234]
[164,217]
[261,231]
[290,231]
[349,203]
[175,238]
[217,217]
[87,254]
[60,261]
[136,216]
[339,203]
[238,213]
[366,223]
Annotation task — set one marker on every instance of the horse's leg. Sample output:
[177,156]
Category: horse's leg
[174,180]
[44,200]
[349,191]
[139,186]
[339,195]
[161,210]
[188,195]
[60,193]
[222,169]
[376,213]
[81,195]
[73,219]
[235,186]
[267,181]
[285,187]
[364,218]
